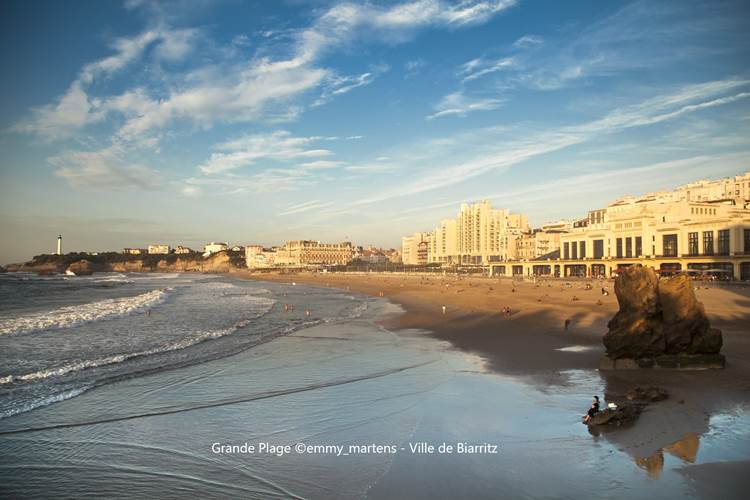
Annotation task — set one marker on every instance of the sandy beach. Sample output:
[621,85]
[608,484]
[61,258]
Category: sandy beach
[532,343]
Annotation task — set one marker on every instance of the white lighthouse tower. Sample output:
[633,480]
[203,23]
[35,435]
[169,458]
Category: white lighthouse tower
[59,245]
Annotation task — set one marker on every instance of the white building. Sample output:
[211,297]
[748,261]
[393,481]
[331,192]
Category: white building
[214,247]
[158,249]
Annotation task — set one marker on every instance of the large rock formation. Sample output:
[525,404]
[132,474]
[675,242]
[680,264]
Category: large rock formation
[660,324]
[81,268]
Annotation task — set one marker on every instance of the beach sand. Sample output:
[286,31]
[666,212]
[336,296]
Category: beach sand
[532,343]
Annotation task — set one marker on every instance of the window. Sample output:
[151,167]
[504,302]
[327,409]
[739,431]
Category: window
[669,242]
[618,246]
[574,250]
[724,242]
[628,247]
[582,250]
[638,246]
[566,250]
[692,243]
[708,242]
[598,249]
[747,241]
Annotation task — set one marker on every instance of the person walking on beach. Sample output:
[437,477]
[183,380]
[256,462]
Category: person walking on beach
[592,411]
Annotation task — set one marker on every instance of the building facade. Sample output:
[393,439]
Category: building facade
[308,252]
[179,249]
[158,249]
[214,247]
[478,235]
[537,243]
[257,257]
[703,227]
[415,248]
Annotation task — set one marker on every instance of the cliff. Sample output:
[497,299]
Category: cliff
[221,262]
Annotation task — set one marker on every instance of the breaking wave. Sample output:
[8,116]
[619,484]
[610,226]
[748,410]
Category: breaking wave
[69,316]
[58,371]
[53,398]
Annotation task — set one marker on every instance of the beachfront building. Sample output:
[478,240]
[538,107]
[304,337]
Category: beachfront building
[415,248]
[477,236]
[158,249]
[537,243]
[313,253]
[134,251]
[703,227]
[258,257]
[179,249]
[214,247]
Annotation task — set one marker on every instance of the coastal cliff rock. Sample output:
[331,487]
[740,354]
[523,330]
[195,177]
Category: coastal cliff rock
[81,268]
[659,324]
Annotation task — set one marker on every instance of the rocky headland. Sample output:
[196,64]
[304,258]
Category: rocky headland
[84,264]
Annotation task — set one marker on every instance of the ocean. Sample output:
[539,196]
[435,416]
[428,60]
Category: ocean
[166,385]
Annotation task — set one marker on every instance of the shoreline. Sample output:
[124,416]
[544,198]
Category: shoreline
[533,346]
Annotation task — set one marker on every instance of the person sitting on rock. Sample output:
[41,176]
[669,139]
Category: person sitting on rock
[592,411]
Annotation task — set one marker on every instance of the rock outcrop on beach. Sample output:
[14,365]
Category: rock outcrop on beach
[624,414]
[80,268]
[660,324]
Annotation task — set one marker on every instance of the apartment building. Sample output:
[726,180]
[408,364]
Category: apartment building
[415,248]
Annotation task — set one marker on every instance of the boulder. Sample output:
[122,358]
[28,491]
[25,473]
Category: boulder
[80,268]
[624,414]
[648,394]
[657,318]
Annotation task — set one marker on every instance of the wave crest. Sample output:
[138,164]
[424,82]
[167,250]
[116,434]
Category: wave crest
[70,316]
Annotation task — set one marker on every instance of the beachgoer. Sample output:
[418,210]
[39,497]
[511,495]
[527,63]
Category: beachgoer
[443,309]
[567,324]
[593,410]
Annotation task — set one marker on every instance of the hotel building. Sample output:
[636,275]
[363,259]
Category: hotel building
[308,252]
[700,227]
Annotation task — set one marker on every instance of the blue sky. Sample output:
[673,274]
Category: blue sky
[123,124]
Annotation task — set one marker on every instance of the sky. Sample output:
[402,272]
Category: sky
[129,123]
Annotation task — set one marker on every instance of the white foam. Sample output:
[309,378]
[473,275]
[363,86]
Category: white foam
[575,348]
[54,398]
[69,316]
[264,305]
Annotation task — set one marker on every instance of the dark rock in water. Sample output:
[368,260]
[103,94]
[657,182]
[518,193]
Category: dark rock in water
[80,268]
[3,270]
[650,394]
[624,414]
[657,319]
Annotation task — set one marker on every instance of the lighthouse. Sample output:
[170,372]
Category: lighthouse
[59,244]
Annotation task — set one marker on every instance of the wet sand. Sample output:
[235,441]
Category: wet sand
[532,343]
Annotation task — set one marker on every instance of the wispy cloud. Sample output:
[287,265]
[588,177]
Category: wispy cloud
[459,104]
[105,168]
[305,207]
[528,41]
[249,149]
[477,68]
[505,154]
